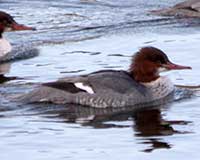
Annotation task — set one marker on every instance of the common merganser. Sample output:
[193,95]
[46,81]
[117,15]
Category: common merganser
[189,8]
[7,23]
[111,88]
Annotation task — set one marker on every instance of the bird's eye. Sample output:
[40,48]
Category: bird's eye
[6,23]
[158,62]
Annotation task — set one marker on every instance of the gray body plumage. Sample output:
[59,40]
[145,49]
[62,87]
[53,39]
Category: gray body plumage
[20,52]
[111,89]
[189,8]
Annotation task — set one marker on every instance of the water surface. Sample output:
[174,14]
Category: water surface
[80,36]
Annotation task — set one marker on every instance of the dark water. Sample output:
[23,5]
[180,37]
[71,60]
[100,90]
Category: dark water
[77,37]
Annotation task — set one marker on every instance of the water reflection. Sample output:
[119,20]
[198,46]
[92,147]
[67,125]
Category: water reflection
[18,53]
[5,68]
[149,125]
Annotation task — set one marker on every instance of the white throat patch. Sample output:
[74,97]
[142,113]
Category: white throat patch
[161,69]
[5,47]
[160,87]
[84,87]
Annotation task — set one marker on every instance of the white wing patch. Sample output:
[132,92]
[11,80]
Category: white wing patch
[84,87]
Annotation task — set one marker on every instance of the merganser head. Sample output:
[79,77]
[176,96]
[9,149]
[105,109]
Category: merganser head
[7,23]
[148,62]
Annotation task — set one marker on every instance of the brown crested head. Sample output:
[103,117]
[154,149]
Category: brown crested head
[148,62]
[7,23]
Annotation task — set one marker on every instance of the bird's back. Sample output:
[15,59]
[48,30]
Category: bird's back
[111,89]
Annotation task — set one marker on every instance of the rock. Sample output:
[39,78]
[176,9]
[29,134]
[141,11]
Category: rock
[189,8]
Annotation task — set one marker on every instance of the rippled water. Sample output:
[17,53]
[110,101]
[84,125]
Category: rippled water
[80,36]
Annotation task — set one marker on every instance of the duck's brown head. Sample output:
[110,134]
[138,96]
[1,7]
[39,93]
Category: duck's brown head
[7,23]
[148,62]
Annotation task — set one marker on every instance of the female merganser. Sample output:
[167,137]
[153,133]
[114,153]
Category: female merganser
[189,8]
[111,88]
[7,23]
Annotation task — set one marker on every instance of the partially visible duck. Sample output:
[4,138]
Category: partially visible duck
[112,88]
[7,23]
[188,8]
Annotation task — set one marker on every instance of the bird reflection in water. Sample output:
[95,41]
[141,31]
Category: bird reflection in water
[5,68]
[148,123]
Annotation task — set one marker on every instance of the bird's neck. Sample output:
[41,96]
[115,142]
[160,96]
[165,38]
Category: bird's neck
[144,72]
[160,87]
[1,30]
[5,47]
